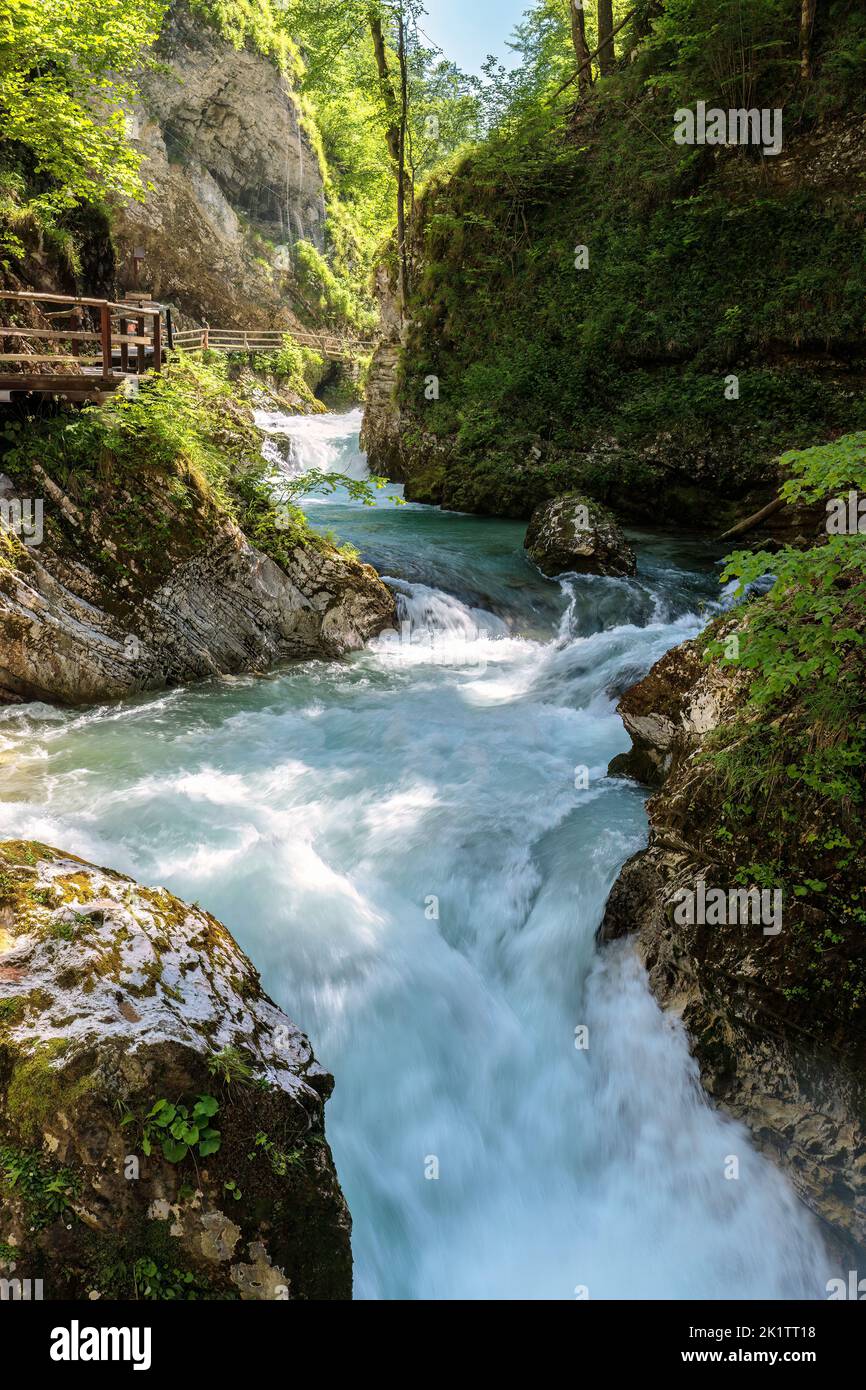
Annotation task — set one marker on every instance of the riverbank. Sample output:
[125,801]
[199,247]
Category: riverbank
[158,551]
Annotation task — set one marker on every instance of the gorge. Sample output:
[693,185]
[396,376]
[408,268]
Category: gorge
[447,711]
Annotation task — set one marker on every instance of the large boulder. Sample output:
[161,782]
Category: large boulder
[574,535]
[161,1120]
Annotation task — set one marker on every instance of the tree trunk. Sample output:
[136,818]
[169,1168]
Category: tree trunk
[606,55]
[401,166]
[397,114]
[581,49]
[807,23]
[386,86]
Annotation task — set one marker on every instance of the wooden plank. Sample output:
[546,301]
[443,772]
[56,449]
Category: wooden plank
[105,334]
[70,335]
[40,298]
[39,357]
[72,388]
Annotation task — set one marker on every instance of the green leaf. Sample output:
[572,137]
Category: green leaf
[173,1152]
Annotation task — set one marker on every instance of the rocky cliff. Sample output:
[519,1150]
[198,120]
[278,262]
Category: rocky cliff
[161,1120]
[234,179]
[578,317]
[140,573]
[771,1002]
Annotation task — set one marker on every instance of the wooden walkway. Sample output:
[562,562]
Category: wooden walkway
[268,340]
[92,347]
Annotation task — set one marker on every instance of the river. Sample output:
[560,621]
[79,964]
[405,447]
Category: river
[415,846]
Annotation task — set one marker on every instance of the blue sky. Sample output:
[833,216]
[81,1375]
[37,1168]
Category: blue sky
[470,29]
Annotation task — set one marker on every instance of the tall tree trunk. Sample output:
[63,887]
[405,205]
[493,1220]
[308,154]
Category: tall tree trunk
[807,23]
[581,48]
[386,86]
[401,164]
[605,37]
[397,115]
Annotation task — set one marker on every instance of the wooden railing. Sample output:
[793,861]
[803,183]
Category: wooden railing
[101,344]
[126,339]
[267,340]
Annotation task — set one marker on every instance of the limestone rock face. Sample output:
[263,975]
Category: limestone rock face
[804,1099]
[667,713]
[228,158]
[213,604]
[161,1120]
[574,534]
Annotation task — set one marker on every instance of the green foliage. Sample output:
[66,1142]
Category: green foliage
[699,266]
[281,1160]
[180,1131]
[333,300]
[231,1065]
[347,106]
[741,54]
[157,1280]
[290,362]
[67,68]
[787,770]
[161,463]
[256,24]
[47,1191]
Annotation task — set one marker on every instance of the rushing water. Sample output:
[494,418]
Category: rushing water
[400,844]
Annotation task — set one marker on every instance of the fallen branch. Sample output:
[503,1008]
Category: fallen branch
[751,521]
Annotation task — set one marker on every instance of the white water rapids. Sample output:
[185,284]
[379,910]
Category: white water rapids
[399,844]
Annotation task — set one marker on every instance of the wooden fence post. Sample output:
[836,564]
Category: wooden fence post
[157,342]
[105,335]
[204,336]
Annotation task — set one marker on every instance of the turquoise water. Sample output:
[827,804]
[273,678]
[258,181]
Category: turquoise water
[399,843]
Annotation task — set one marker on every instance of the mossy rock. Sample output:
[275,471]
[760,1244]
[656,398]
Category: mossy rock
[114,998]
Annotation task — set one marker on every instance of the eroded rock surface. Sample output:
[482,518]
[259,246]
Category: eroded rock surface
[229,163]
[797,1085]
[115,998]
[198,600]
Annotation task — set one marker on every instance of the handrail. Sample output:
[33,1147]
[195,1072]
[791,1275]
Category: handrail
[147,317]
[133,308]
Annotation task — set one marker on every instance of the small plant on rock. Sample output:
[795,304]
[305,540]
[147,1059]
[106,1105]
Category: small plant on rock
[180,1131]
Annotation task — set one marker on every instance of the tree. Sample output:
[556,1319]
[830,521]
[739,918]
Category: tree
[807,24]
[374,84]
[396,103]
[67,74]
[606,55]
[581,47]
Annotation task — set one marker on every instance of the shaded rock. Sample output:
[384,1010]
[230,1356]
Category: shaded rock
[573,534]
[669,710]
[121,997]
[797,1086]
[226,609]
